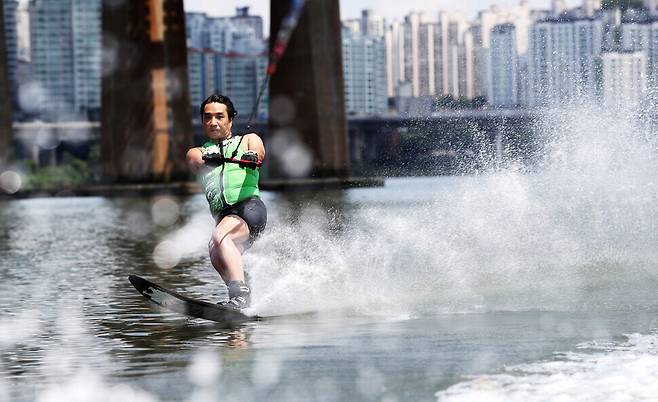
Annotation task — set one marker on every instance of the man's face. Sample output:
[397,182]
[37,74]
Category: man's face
[216,123]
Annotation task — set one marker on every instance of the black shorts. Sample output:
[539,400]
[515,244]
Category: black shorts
[252,211]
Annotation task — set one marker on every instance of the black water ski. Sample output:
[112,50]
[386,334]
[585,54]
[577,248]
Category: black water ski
[186,305]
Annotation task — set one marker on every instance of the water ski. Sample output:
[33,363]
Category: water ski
[185,305]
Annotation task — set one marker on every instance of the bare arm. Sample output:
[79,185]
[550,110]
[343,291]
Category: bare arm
[194,159]
[254,143]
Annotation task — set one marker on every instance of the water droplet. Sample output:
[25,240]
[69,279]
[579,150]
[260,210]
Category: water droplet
[165,211]
[10,181]
[166,255]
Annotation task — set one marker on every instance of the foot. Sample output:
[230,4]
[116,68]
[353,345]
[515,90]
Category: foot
[239,295]
[235,303]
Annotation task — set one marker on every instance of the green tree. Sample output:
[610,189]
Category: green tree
[479,102]
[73,173]
[446,101]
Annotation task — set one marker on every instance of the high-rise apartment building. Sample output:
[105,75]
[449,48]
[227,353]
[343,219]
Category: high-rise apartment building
[364,69]
[465,69]
[203,75]
[651,5]
[503,67]
[624,80]
[642,36]
[563,59]
[51,43]
[196,30]
[458,62]
[480,62]
[635,35]
[426,61]
[241,77]
[611,20]
[238,76]
[410,51]
[195,77]
[452,56]
[223,34]
[393,40]
[65,43]
[11,42]
[372,24]
[242,18]
[354,25]
[218,34]
[520,16]
[588,40]
[431,58]
[230,58]
[590,6]
[558,7]
[86,35]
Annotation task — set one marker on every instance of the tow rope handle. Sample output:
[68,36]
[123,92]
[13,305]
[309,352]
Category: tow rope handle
[218,160]
[245,162]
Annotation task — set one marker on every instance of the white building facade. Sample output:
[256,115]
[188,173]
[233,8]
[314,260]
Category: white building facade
[11,41]
[65,46]
[229,58]
[426,60]
[643,37]
[410,51]
[590,7]
[364,69]
[624,80]
[238,76]
[434,58]
[520,16]
[372,24]
[240,79]
[196,30]
[562,60]
[503,67]
[203,75]
[87,54]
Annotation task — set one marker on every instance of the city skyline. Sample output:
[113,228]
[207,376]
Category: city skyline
[498,58]
[350,9]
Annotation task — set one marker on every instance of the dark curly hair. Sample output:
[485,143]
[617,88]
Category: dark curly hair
[217,98]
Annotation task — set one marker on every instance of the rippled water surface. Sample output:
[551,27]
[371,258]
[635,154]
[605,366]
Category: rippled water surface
[451,288]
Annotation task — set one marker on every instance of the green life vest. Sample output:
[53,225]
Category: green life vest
[228,183]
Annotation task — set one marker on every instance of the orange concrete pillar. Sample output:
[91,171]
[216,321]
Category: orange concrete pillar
[146,122]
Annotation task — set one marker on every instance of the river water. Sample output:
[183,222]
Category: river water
[508,285]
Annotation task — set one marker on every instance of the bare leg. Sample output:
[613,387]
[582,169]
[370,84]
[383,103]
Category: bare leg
[226,250]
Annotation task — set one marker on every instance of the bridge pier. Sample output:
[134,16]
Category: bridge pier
[308,128]
[146,122]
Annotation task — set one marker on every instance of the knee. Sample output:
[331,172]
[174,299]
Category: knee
[220,237]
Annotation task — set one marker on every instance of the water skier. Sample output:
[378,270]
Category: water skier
[231,188]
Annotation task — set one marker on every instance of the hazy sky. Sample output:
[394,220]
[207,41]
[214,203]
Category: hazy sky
[391,9]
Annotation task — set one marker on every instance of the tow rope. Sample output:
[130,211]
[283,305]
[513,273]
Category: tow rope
[286,29]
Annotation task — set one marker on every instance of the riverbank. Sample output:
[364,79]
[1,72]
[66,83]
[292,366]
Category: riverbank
[191,187]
